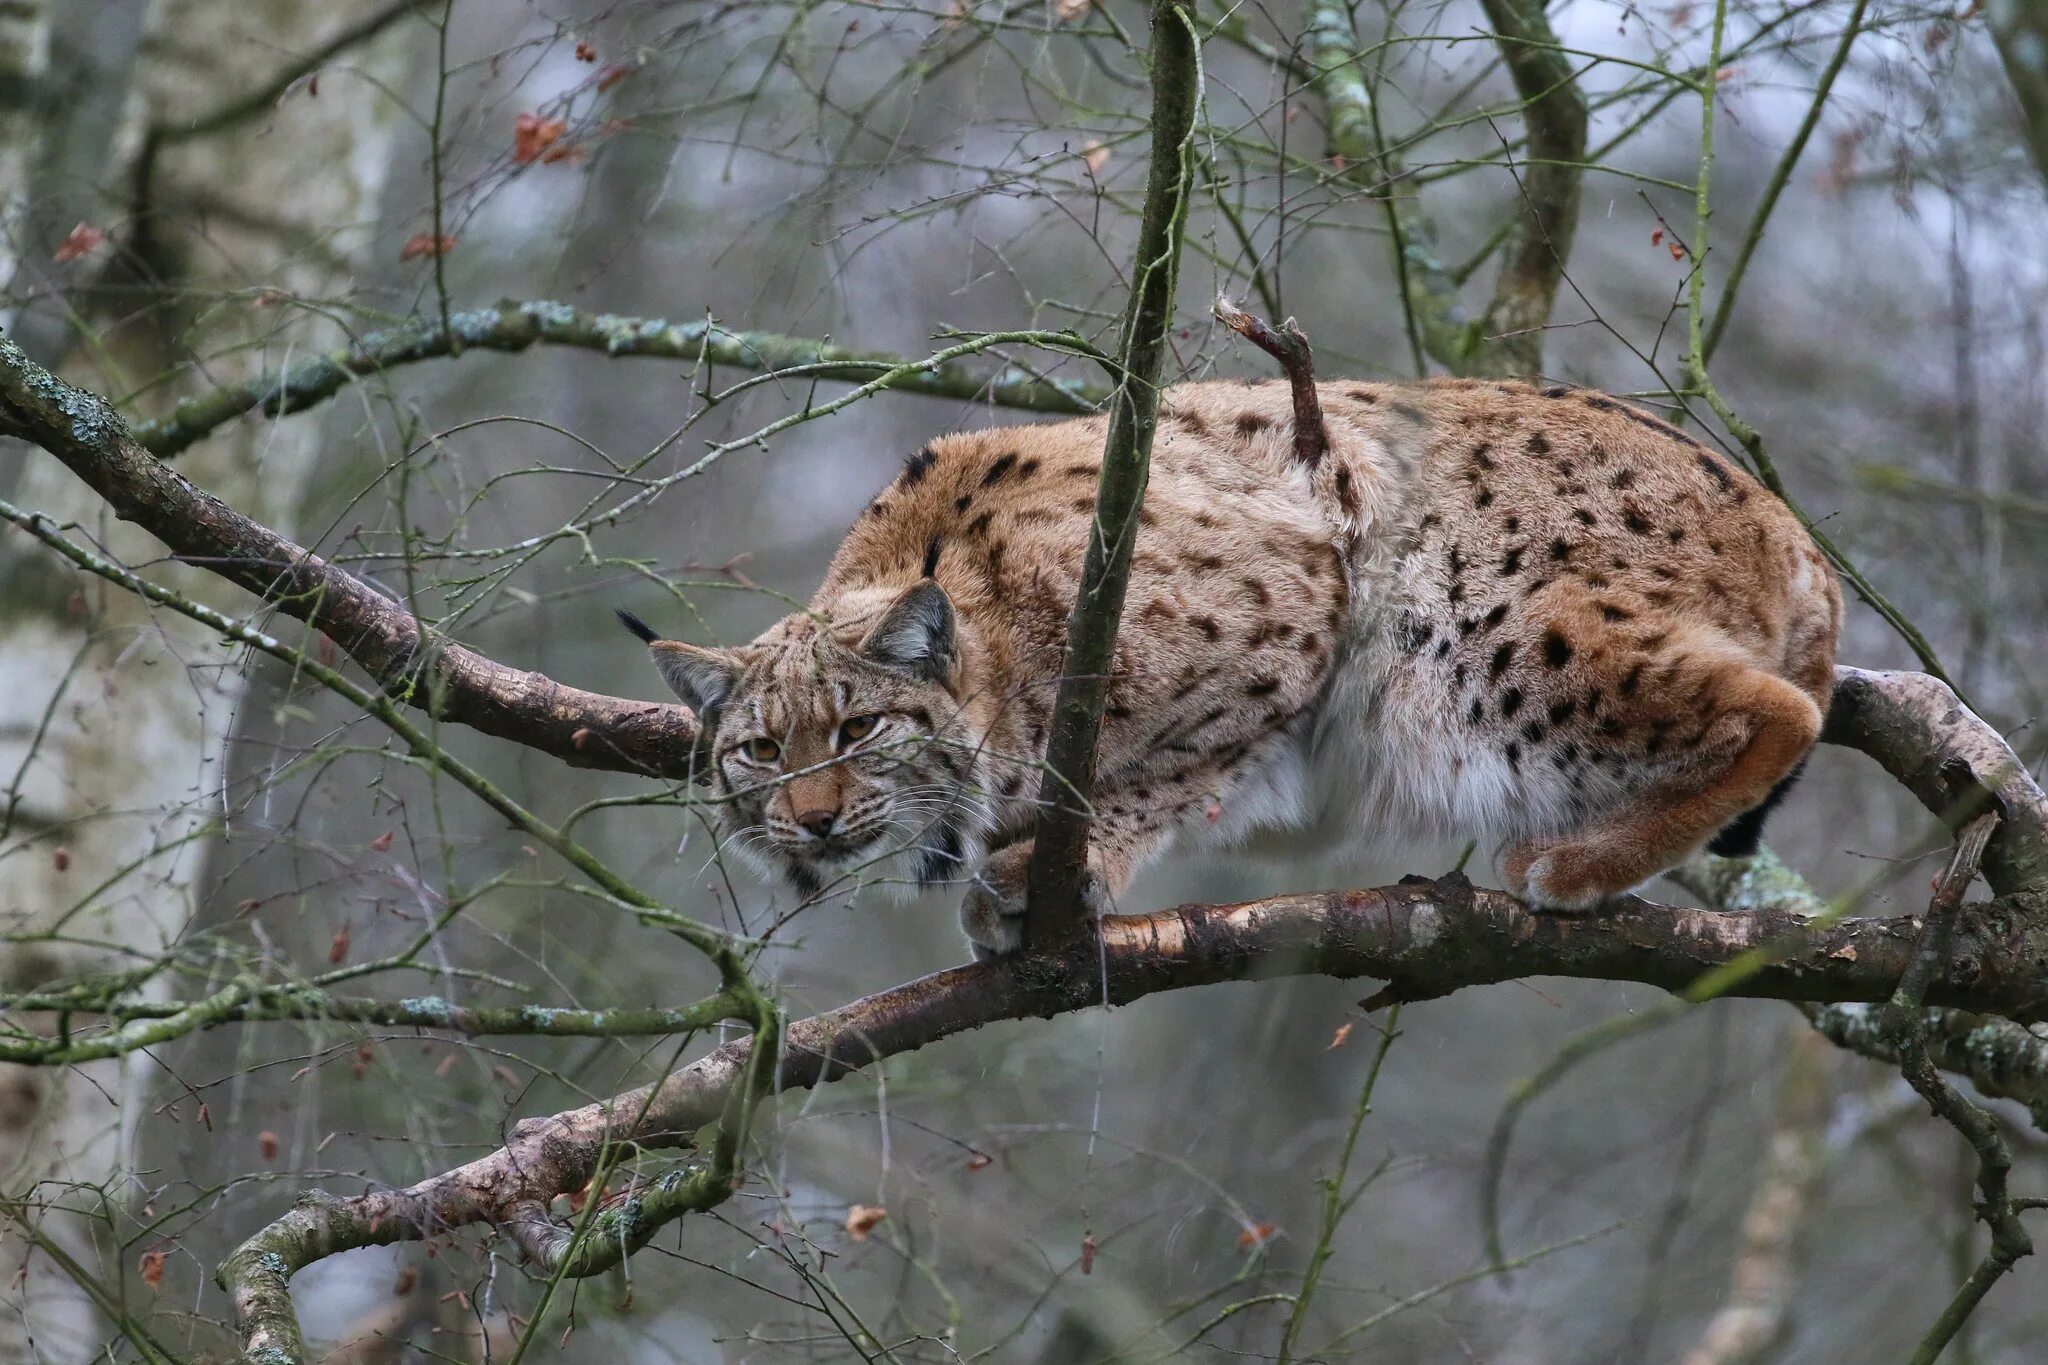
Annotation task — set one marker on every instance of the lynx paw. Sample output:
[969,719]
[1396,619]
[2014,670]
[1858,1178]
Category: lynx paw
[992,914]
[1556,875]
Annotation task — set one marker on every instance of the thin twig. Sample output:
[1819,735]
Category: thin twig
[1335,1204]
[1781,175]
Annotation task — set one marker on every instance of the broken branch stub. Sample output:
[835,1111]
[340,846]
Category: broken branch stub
[1287,344]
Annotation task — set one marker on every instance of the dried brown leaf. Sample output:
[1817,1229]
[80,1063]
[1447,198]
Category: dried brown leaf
[78,242]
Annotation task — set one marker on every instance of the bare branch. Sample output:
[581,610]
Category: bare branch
[1554,113]
[259,101]
[414,665]
[512,327]
[1432,937]
[1902,1018]
[2002,1059]
[1952,761]
[1059,851]
[1287,344]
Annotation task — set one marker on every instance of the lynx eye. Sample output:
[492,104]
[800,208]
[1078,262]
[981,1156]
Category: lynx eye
[858,729]
[762,749]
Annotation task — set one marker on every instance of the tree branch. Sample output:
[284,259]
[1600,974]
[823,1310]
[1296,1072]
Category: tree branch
[1287,344]
[1060,846]
[2002,1059]
[512,327]
[259,101]
[2020,29]
[1554,114]
[1902,1021]
[408,662]
[1952,761]
[1509,340]
[1431,937]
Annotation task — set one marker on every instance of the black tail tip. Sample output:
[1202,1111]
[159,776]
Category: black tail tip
[637,626]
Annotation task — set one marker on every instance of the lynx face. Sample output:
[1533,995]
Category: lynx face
[835,757]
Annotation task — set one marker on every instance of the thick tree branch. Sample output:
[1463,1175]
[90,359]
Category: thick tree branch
[1060,847]
[1954,764]
[512,327]
[457,684]
[1431,937]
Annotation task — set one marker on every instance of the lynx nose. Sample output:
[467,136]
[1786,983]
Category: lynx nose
[818,823]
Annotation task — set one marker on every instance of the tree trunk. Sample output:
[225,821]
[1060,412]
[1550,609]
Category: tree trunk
[112,718]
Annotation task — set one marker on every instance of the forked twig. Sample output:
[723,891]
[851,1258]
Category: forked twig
[1996,1207]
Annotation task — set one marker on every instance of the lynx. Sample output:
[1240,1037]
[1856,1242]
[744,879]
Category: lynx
[1536,616]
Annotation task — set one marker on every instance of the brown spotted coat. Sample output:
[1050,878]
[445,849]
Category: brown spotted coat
[1535,615]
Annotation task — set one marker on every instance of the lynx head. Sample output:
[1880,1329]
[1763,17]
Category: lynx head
[840,747]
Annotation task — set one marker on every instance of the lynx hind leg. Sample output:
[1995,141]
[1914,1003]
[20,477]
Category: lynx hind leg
[1760,731]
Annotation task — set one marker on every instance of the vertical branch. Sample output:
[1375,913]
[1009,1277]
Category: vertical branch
[440,252]
[1336,1203]
[1510,340]
[1436,320]
[2020,29]
[1059,854]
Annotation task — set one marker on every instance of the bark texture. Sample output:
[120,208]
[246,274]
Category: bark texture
[113,718]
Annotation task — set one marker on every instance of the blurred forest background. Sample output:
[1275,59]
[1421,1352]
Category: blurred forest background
[198,191]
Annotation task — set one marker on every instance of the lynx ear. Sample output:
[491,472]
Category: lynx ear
[701,677]
[915,635]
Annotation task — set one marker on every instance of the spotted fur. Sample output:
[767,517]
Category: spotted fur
[1535,615]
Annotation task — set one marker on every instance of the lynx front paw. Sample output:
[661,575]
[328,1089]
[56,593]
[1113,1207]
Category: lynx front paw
[992,917]
[992,914]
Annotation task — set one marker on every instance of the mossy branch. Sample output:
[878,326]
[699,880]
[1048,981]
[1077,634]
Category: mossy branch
[516,326]
[1060,849]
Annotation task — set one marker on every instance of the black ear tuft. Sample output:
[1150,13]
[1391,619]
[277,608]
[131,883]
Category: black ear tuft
[915,635]
[636,625]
